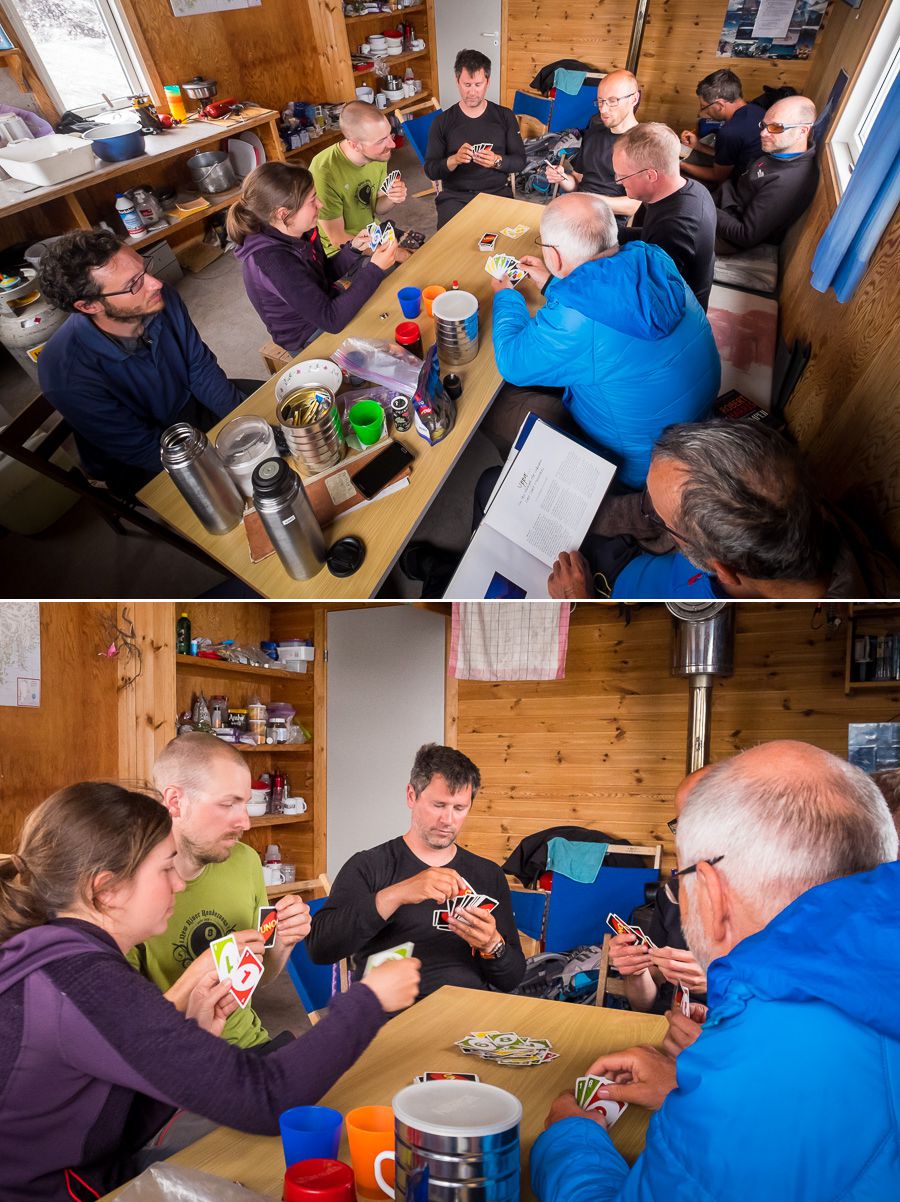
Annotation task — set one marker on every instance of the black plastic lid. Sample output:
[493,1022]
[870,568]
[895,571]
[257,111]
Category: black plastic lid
[271,477]
[346,556]
[452,386]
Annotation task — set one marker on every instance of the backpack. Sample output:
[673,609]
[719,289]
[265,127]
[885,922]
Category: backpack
[563,976]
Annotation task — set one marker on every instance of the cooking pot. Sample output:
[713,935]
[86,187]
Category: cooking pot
[200,89]
[211,171]
[116,143]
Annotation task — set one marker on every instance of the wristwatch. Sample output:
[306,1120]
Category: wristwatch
[497,161]
[496,952]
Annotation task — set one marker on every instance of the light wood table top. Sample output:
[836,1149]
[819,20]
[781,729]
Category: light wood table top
[421,1040]
[387,524]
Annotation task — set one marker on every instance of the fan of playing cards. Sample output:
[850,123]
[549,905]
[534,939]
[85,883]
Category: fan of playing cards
[500,265]
[378,236]
[468,899]
[387,183]
[507,1048]
[586,1097]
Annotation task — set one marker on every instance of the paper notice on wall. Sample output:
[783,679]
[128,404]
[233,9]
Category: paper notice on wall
[20,653]
[774,18]
[194,8]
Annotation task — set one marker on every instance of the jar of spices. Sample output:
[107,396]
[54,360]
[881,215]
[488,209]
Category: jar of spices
[237,718]
[218,711]
[256,720]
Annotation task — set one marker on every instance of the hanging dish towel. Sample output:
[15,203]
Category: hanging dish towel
[578,861]
[569,82]
[509,640]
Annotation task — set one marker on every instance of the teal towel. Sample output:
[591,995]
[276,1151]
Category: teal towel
[568,81]
[579,861]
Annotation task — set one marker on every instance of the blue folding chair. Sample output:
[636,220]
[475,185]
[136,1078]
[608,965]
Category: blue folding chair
[538,107]
[416,129]
[577,912]
[530,911]
[573,112]
[313,982]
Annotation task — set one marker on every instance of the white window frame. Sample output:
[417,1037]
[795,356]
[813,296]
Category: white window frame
[125,47]
[865,97]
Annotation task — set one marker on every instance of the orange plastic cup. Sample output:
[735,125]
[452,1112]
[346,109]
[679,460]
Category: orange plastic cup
[430,294]
[370,1130]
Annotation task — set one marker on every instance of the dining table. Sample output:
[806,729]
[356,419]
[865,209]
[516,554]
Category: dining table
[387,523]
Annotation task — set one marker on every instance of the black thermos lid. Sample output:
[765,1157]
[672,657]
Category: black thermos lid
[271,477]
[453,386]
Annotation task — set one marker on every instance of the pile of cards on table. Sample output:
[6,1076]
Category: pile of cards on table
[423,1077]
[389,180]
[586,1097]
[515,231]
[500,265]
[507,1048]
[468,899]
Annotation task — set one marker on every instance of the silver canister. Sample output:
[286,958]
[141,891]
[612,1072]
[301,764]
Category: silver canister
[455,316]
[211,171]
[456,1141]
[311,425]
[287,516]
[201,477]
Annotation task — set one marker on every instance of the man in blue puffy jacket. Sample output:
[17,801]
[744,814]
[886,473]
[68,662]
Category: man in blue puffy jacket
[621,332]
[792,1090]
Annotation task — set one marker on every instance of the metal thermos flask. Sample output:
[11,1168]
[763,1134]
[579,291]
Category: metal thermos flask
[287,515]
[201,477]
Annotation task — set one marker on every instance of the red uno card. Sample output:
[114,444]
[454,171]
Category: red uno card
[618,925]
[267,924]
[246,977]
[450,1077]
[487,240]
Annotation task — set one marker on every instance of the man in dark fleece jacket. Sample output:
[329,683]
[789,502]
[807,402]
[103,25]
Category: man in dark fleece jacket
[128,363]
[778,187]
[94,1060]
[391,894]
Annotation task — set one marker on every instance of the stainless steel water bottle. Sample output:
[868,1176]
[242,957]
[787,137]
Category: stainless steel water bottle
[287,515]
[201,477]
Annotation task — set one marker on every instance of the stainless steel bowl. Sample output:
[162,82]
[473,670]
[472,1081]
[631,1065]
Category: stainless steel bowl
[200,89]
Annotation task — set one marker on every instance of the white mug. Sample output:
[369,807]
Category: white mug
[293,805]
[390,1154]
[272,875]
[381,100]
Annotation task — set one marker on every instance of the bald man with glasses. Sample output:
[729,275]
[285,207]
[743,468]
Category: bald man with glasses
[778,186]
[618,94]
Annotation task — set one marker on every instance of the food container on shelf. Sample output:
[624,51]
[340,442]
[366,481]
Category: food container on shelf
[116,143]
[48,160]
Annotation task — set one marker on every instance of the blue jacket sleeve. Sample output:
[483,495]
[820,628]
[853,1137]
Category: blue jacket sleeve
[92,409]
[575,1161]
[208,382]
[531,350]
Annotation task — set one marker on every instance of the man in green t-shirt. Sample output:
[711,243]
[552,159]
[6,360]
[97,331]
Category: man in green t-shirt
[205,785]
[349,174]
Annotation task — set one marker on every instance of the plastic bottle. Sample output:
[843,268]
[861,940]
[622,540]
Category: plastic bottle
[175,101]
[131,219]
[183,635]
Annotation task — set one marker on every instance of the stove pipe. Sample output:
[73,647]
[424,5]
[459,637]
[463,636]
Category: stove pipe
[702,648]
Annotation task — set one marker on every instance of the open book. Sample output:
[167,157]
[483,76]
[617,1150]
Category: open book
[544,502]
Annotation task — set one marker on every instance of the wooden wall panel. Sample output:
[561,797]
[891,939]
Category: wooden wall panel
[72,735]
[146,701]
[844,412]
[605,748]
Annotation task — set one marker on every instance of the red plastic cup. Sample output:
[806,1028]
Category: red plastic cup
[319,1181]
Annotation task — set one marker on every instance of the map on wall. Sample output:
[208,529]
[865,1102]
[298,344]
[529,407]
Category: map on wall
[20,653]
[193,8]
[771,28]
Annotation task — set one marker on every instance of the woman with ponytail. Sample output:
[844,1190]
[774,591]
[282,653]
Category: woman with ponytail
[291,282]
[94,1060]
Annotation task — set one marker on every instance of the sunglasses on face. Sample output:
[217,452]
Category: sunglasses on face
[777,127]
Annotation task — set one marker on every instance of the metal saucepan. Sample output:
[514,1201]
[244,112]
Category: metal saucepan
[211,171]
[199,88]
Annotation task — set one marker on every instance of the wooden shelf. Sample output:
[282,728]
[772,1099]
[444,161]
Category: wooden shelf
[396,58]
[274,748]
[288,887]
[399,104]
[315,144]
[853,685]
[280,819]
[216,667]
[177,222]
[389,16]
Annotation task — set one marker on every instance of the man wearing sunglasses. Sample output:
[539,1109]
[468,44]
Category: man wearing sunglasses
[787,868]
[737,138]
[763,203]
[129,361]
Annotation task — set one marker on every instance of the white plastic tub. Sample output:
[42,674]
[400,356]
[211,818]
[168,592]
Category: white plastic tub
[49,160]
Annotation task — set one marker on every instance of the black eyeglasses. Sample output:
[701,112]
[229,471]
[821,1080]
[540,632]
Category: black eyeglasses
[704,107]
[649,514]
[135,286]
[678,873]
[620,179]
[614,101]
[546,245]
[777,127]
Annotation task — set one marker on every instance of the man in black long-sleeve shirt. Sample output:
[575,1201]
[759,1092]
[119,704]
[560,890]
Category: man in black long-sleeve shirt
[390,894]
[451,156]
[679,215]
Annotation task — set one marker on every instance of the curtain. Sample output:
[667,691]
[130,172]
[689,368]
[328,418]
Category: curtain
[868,204]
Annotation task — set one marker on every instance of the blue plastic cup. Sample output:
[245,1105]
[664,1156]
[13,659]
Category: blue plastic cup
[310,1133]
[410,302]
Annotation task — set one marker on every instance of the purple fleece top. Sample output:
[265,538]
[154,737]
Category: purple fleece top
[292,285]
[94,1060]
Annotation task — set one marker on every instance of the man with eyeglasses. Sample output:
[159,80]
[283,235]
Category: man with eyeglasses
[737,138]
[778,186]
[618,94]
[128,363]
[349,175]
[788,865]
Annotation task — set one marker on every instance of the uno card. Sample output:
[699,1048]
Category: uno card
[226,955]
[401,952]
[388,182]
[517,274]
[267,924]
[246,977]
[387,235]
[618,925]
[486,241]
[449,1077]
[373,229]
[682,999]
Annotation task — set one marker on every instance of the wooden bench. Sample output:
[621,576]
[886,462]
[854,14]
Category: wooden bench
[274,356]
